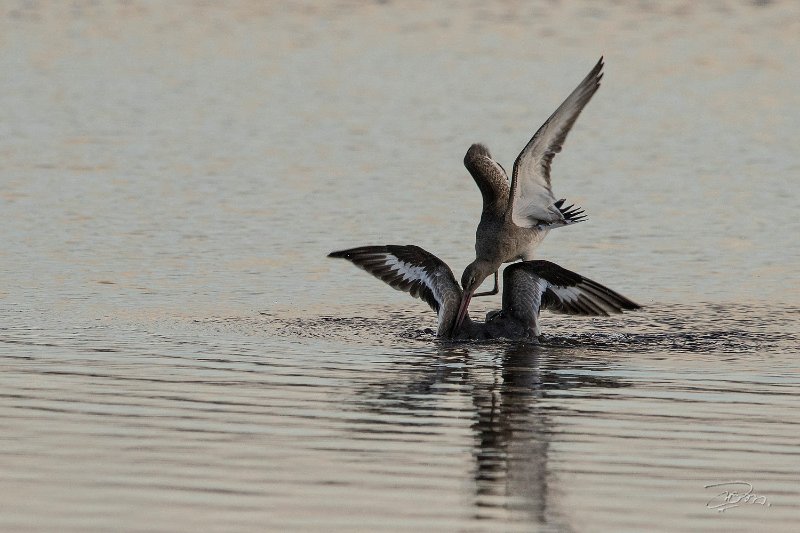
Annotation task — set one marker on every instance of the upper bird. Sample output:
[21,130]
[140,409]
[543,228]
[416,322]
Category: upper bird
[516,219]
[528,287]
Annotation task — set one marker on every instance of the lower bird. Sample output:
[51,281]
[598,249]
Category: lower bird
[528,287]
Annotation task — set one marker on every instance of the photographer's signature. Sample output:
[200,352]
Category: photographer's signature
[734,494]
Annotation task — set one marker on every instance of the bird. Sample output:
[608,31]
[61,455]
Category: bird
[528,287]
[516,218]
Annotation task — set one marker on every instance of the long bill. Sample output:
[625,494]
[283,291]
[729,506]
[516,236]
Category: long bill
[462,313]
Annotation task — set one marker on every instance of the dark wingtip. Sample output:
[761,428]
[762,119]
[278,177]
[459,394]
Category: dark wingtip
[340,253]
[571,213]
[626,303]
[597,71]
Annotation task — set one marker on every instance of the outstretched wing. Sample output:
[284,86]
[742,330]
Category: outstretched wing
[530,286]
[413,270]
[531,198]
[490,177]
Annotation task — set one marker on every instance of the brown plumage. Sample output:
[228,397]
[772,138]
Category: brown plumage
[517,217]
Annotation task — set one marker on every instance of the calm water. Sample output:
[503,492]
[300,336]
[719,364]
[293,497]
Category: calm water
[176,353]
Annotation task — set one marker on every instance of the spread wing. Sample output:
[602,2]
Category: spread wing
[413,270]
[530,286]
[490,177]
[531,198]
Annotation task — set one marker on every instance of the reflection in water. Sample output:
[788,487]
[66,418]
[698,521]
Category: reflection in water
[512,438]
[512,428]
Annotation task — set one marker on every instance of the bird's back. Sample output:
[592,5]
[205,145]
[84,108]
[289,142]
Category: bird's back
[501,241]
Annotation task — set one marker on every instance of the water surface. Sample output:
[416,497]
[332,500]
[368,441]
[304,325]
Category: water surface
[178,354]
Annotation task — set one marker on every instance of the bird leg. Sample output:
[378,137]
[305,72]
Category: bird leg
[491,292]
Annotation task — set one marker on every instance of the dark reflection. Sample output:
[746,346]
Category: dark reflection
[512,427]
[512,437]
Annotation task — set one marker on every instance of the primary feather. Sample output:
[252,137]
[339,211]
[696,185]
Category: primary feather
[413,270]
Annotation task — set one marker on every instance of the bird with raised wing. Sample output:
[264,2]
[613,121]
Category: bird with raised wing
[516,218]
[528,287]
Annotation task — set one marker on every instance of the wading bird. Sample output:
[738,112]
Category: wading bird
[516,219]
[528,287]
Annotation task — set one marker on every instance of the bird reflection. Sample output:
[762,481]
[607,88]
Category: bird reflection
[513,423]
[511,438]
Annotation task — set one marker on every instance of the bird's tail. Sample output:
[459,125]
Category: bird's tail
[571,214]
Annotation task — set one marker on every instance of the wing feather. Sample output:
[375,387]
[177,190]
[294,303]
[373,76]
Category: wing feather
[530,286]
[411,269]
[531,197]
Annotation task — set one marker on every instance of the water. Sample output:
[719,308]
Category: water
[177,353]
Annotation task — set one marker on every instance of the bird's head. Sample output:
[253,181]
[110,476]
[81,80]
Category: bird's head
[473,276]
[475,273]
